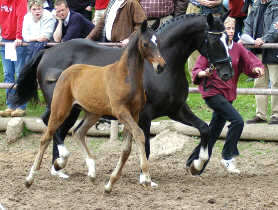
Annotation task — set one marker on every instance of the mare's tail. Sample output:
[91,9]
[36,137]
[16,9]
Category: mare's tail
[26,84]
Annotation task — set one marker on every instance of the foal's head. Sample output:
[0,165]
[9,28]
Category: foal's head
[148,45]
[216,48]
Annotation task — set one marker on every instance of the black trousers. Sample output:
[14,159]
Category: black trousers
[223,111]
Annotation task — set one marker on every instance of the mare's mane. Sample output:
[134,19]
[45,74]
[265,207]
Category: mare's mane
[176,21]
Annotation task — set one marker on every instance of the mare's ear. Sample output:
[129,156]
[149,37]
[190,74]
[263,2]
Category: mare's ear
[224,16]
[144,26]
[155,25]
[210,19]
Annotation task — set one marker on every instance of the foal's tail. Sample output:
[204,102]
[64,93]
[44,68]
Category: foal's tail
[26,84]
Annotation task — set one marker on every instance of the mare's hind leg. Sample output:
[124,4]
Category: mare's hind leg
[124,156]
[186,116]
[79,135]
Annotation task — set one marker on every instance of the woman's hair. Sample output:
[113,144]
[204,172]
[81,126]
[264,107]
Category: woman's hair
[35,2]
[229,20]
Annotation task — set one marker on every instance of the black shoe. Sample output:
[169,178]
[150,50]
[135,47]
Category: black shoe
[256,120]
[273,120]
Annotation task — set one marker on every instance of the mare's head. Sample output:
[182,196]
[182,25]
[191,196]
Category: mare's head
[148,44]
[215,47]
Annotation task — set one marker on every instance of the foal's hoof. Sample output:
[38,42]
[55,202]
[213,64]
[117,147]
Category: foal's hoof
[192,170]
[28,183]
[108,188]
[146,180]
[92,178]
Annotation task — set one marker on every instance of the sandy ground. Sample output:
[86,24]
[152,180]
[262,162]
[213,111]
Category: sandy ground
[255,188]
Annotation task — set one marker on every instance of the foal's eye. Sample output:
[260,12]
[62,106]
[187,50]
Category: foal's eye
[145,44]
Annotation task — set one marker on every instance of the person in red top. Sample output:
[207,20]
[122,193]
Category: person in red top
[100,7]
[236,8]
[11,20]
[219,96]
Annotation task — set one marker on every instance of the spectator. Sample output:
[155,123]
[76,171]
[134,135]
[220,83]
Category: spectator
[202,7]
[236,8]
[11,20]
[100,7]
[48,5]
[69,24]
[259,24]
[38,23]
[83,7]
[219,96]
[163,9]
[122,18]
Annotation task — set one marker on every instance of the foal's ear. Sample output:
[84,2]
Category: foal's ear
[224,16]
[144,26]
[210,19]
[155,25]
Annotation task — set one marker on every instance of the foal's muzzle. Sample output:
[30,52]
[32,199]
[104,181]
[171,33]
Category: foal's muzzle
[159,64]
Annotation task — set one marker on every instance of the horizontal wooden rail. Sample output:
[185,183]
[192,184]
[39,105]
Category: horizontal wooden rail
[240,91]
[51,44]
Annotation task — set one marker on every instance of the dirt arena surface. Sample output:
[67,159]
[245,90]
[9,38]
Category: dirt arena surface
[255,188]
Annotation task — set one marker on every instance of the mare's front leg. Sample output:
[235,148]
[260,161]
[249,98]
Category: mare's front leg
[200,155]
[60,152]
[80,135]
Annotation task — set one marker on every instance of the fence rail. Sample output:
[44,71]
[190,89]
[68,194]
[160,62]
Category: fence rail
[240,91]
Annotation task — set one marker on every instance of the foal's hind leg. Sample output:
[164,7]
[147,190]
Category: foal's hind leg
[186,116]
[79,135]
[124,156]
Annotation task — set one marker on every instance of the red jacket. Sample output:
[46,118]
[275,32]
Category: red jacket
[101,4]
[11,18]
[235,6]
[242,61]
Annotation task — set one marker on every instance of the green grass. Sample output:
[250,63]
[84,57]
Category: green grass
[245,104]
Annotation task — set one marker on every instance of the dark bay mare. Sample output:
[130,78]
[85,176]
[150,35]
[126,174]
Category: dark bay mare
[166,93]
[114,90]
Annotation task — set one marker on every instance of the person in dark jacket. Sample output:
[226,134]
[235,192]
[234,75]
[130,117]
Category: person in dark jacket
[219,96]
[83,7]
[259,24]
[69,24]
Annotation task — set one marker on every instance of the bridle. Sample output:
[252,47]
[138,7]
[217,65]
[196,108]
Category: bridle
[213,62]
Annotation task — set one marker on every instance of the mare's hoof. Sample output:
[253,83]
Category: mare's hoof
[192,170]
[107,190]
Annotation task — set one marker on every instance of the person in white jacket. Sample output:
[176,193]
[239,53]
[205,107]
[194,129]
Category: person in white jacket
[38,23]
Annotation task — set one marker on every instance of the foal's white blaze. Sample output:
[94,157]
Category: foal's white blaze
[154,40]
[91,167]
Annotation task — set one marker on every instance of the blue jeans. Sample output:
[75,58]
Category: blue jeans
[12,70]
[223,111]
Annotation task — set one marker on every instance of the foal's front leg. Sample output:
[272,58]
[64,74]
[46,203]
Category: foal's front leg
[123,158]
[79,136]
[130,124]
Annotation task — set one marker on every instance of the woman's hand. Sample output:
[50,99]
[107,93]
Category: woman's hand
[259,42]
[205,73]
[259,71]
[210,3]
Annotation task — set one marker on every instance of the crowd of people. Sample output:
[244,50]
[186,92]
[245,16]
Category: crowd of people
[41,21]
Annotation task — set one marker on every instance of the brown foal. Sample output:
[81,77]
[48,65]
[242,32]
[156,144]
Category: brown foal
[115,90]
